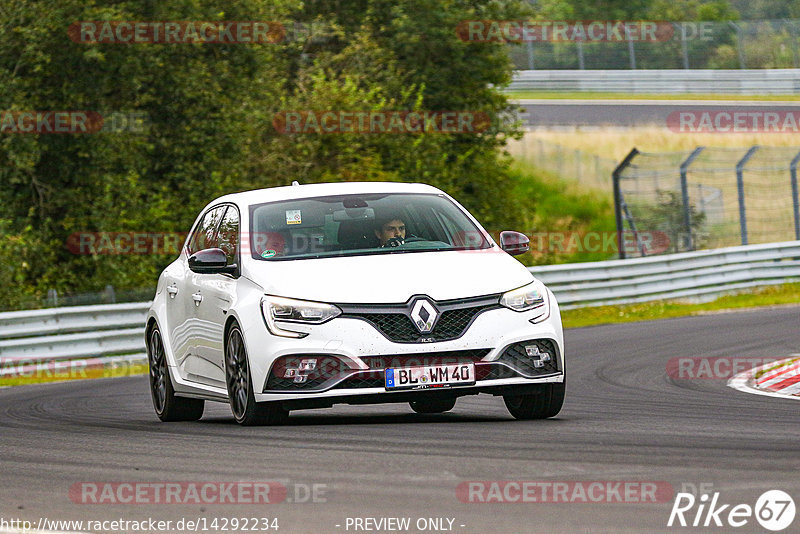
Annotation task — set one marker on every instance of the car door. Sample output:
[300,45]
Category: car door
[212,295]
[193,335]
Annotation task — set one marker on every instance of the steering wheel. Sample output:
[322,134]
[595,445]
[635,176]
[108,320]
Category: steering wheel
[393,242]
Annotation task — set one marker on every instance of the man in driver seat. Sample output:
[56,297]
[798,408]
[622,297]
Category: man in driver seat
[391,231]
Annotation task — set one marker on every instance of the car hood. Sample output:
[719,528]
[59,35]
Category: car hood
[392,278]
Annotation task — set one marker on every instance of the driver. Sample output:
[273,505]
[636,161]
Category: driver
[392,232]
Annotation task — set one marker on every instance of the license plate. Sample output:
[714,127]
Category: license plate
[430,376]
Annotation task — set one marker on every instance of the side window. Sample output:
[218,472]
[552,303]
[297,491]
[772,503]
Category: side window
[205,235]
[228,234]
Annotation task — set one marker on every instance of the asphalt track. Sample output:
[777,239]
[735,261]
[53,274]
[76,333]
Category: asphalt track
[624,420]
[626,113]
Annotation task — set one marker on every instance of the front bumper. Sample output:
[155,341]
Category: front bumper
[357,345]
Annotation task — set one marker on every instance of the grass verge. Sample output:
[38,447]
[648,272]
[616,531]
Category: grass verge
[565,222]
[647,311]
[53,373]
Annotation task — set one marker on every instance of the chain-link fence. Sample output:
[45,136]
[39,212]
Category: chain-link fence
[761,44]
[567,163]
[708,198]
[54,299]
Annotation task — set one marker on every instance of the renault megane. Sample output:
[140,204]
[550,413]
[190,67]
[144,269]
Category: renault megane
[307,296]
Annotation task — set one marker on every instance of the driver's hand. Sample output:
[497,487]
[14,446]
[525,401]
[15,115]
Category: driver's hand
[393,242]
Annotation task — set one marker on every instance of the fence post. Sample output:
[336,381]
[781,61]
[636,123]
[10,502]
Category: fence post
[793,41]
[740,187]
[739,44]
[684,47]
[529,48]
[615,176]
[687,213]
[631,51]
[795,201]
[597,167]
[581,64]
[52,297]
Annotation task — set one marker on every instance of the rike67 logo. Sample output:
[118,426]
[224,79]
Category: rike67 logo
[774,510]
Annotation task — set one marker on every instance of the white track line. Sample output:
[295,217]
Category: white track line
[743,382]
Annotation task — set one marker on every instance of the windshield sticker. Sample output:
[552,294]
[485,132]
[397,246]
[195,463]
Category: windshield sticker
[268,253]
[293,217]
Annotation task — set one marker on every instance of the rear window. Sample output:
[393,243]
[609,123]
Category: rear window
[360,225]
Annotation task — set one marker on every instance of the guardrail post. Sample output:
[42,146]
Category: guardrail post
[687,213]
[615,176]
[52,297]
[631,51]
[795,200]
[684,47]
[793,41]
[529,48]
[740,187]
[739,44]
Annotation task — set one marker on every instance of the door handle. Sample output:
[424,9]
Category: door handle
[197,298]
[172,290]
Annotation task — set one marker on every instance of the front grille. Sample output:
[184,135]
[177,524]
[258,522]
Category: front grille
[394,322]
[376,378]
[516,357]
[493,371]
[425,358]
[333,373]
[369,379]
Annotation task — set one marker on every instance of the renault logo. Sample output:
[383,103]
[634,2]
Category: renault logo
[424,315]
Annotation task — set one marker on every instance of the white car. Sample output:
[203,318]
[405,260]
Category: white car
[306,296]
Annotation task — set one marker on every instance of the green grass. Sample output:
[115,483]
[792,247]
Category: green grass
[580,95]
[767,296]
[48,375]
[564,221]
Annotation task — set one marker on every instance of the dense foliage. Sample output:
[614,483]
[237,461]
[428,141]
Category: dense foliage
[210,110]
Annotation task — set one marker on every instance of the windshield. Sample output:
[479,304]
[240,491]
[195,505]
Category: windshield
[358,225]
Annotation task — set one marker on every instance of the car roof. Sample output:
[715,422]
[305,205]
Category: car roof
[273,194]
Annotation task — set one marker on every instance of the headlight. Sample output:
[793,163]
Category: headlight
[530,297]
[280,309]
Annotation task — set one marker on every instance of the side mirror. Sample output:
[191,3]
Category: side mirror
[211,261]
[514,243]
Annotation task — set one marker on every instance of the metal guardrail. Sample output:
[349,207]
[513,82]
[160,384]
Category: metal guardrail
[117,330]
[677,81]
[73,333]
[701,274]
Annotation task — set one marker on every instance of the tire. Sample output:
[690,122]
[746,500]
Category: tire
[244,407]
[433,405]
[168,407]
[546,403]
